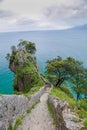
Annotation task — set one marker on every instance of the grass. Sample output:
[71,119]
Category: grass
[81,105]
[51,113]
[53,116]
[17,123]
[85,123]
[30,109]
[63,96]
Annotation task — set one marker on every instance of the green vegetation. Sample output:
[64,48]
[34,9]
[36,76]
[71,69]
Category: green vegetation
[30,72]
[51,113]
[59,70]
[17,123]
[30,109]
[10,126]
[63,95]
[79,107]
[85,123]
[22,61]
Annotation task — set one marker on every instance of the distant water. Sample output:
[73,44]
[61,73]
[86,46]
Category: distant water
[49,44]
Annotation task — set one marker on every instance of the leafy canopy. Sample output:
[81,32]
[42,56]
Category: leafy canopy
[58,70]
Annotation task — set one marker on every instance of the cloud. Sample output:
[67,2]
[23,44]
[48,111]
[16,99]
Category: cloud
[45,14]
[25,21]
[26,24]
[67,13]
[5,14]
[1,0]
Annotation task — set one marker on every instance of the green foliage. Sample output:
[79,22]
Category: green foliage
[82,108]
[10,126]
[30,109]
[34,77]
[8,56]
[80,81]
[61,69]
[85,123]
[25,66]
[67,91]
[62,95]
[51,113]
[82,113]
[17,123]
[82,104]
[58,70]
[29,46]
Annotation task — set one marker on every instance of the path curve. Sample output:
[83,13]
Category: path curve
[39,118]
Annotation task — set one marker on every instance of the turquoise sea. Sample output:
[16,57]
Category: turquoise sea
[49,44]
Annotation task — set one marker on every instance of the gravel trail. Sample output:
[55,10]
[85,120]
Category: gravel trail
[39,118]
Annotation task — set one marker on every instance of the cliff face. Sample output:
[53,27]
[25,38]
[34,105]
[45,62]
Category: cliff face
[23,64]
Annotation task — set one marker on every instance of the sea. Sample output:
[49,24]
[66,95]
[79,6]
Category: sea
[49,44]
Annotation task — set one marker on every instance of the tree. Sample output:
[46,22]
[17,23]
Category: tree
[60,69]
[28,46]
[80,82]
[8,56]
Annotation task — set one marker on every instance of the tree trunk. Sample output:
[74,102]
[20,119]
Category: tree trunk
[78,96]
[59,82]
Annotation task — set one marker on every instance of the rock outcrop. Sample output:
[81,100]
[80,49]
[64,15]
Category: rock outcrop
[22,62]
[62,114]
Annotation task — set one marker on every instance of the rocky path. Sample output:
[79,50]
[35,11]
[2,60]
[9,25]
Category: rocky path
[39,118]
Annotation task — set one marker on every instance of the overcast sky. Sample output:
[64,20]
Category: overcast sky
[22,15]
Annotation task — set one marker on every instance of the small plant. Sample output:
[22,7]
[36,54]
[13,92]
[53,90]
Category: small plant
[30,109]
[51,113]
[85,123]
[10,126]
[17,123]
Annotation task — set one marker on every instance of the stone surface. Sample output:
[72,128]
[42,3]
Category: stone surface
[39,118]
[63,116]
[12,106]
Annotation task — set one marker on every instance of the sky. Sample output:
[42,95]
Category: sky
[25,15]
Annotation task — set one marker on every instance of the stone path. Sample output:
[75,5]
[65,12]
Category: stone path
[39,118]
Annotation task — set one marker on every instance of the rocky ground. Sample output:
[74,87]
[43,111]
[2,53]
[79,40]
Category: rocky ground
[39,118]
